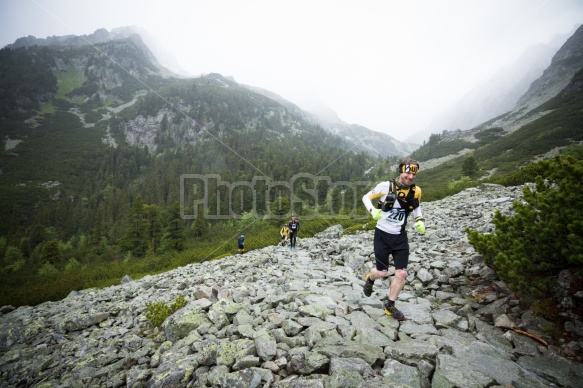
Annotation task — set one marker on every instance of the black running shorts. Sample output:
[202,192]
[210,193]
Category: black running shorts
[386,244]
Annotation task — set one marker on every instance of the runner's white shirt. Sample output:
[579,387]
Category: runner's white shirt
[392,221]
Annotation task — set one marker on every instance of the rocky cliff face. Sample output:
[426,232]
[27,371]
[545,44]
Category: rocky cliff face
[280,318]
[565,63]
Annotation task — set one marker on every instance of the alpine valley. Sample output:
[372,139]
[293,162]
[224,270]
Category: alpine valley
[114,167]
[97,135]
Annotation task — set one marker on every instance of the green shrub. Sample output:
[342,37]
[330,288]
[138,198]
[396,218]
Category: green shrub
[48,270]
[72,265]
[65,246]
[371,225]
[15,266]
[179,303]
[355,228]
[544,236]
[158,312]
[51,251]
[12,255]
[460,184]
[128,257]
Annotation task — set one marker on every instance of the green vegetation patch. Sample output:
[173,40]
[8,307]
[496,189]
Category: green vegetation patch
[159,312]
[58,150]
[438,148]
[67,81]
[544,236]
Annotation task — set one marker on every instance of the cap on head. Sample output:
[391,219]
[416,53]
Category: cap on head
[408,166]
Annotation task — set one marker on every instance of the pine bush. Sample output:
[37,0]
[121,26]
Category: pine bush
[158,312]
[48,270]
[545,233]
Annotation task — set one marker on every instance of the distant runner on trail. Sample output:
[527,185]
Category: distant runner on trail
[284,233]
[394,200]
[241,243]
[294,229]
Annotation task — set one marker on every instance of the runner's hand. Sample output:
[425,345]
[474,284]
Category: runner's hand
[420,226]
[376,214]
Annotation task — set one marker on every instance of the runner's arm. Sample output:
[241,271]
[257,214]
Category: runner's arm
[374,194]
[417,210]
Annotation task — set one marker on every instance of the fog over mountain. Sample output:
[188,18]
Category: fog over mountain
[498,95]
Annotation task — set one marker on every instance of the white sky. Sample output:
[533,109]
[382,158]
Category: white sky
[391,66]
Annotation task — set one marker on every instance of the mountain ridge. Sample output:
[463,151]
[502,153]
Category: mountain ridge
[101,35]
[375,143]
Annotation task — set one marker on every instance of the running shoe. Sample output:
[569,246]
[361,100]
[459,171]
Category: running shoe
[368,283]
[393,311]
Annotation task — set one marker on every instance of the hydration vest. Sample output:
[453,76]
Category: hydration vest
[407,202]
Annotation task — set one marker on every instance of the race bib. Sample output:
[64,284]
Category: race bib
[397,216]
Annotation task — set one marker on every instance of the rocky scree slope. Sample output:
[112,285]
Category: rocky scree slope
[279,318]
